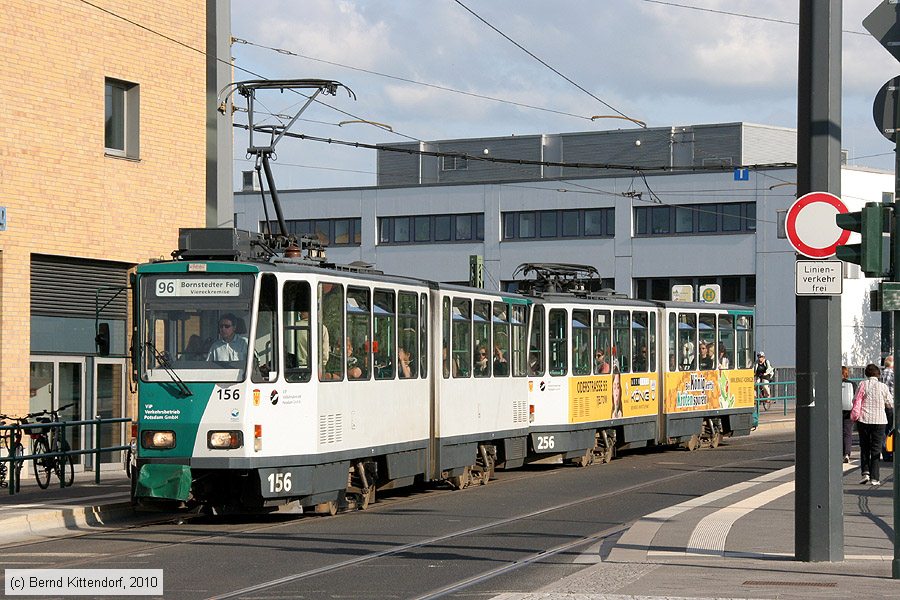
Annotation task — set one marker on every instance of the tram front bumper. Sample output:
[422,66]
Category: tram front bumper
[171,482]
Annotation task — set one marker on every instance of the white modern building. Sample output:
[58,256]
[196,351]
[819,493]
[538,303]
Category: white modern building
[648,208]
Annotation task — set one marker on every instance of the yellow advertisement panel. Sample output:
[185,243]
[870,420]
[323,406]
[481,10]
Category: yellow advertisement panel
[605,397]
[708,390]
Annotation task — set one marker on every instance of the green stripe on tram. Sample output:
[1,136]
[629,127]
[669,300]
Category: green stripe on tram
[211,267]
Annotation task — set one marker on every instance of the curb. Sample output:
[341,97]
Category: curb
[55,522]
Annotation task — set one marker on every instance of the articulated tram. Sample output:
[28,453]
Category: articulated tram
[268,377]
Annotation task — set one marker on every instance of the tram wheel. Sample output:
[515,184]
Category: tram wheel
[605,454]
[585,460]
[715,440]
[366,498]
[692,444]
[461,481]
[329,508]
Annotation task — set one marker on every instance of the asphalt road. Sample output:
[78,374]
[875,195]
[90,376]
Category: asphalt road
[520,532]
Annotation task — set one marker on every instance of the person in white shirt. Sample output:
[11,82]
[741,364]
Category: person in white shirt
[870,423]
[230,346]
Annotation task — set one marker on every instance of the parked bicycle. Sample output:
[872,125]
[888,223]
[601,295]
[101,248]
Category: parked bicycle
[129,456]
[50,440]
[12,441]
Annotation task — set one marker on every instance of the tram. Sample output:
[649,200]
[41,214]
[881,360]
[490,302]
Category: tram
[268,377]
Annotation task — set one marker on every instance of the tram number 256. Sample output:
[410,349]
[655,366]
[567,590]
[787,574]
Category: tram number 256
[545,442]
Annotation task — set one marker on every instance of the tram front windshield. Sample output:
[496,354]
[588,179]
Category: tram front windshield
[195,327]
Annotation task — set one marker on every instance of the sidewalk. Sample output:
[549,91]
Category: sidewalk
[33,513]
[739,543]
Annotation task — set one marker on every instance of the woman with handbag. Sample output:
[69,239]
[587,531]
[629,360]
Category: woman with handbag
[868,411]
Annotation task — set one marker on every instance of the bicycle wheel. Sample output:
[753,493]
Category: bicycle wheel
[65,468]
[42,466]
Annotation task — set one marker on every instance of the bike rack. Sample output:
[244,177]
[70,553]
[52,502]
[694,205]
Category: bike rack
[14,478]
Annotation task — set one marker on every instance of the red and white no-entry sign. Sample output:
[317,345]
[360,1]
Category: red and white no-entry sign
[810,225]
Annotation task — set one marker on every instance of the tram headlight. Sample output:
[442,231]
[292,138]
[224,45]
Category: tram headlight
[224,440]
[157,440]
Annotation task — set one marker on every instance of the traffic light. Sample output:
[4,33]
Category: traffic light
[871,223]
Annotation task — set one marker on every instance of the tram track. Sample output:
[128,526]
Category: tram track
[139,553]
[536,557]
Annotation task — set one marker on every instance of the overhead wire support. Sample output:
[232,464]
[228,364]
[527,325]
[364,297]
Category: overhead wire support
[263,154]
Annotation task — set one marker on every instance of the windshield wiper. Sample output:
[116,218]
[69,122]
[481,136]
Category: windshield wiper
[162,359]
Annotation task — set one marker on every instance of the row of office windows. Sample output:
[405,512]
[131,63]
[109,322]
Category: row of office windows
[431,229]
[549,224]
[734,217]
[332,232]
[738,289]
[737,217]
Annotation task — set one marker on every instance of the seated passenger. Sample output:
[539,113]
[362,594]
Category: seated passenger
[354,371]
[640,360]
[501,365]
[601,366]
[404,358]
[482,365]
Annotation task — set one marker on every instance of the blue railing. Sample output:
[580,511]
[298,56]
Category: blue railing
[13,474]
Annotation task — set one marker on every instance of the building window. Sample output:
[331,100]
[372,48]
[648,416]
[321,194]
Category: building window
[431,229]
[558,224]
[331,232]
[740,289]
[122,119]
[733,217]
[454,163]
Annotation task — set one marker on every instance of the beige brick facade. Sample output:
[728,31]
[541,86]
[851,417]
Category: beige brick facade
[63,195]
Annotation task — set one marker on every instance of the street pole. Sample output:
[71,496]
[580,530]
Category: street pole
[818,508]
[895,276]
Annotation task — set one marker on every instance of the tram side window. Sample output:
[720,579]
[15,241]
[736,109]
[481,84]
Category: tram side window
[622,340]
[640,356]
[519,339]
[481,320]
[706,355]
[651,344]
[500,351]
[461,341]
[744,334]
[581,342]
[726,342]
[445,337]
[673,342]
[264,367]
[536,343]
[295,302]
[359,319]
[407,335]
[383,346]
[331,331]
[559,360]
[687,340]
[423,336]
[602,339]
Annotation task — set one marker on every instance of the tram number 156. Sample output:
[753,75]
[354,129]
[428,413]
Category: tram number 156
[283,481]
[279,482]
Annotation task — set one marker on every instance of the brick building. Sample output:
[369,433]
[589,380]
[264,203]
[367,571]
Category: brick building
[108,124]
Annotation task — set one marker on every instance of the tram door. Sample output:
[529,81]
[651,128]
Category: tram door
[110,398]
[59,381]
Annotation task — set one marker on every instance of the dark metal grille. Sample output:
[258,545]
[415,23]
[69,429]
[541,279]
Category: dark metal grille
[64,286]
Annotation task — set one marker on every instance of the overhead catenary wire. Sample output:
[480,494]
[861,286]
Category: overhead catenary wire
[543,62]
[284,51]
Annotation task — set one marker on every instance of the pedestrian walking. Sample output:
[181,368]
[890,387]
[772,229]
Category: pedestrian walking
[887,378]
[868,411]
[848,390]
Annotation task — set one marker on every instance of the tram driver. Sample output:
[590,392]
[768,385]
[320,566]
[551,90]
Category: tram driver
[231,346]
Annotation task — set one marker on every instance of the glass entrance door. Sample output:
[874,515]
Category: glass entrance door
[59,382]
[109,391]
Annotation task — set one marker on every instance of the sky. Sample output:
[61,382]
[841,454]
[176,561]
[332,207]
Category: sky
[683,62]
